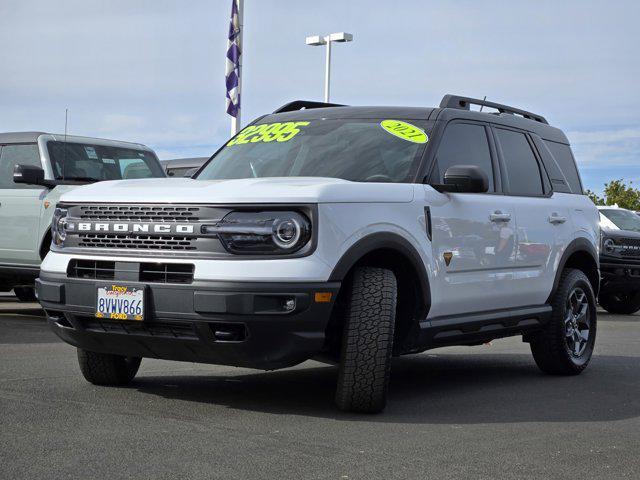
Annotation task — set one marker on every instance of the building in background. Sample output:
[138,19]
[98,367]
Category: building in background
[178,167]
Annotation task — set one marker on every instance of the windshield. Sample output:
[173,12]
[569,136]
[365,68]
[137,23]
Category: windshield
[623,219]
[351,149]
[84,161]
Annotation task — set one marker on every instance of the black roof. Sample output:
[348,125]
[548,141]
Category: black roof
[406,113]
[451,107]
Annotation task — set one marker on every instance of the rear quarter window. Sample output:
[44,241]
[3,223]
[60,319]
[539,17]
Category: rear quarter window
[564,158]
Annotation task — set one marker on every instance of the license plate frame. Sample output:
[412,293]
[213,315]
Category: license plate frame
[121,302]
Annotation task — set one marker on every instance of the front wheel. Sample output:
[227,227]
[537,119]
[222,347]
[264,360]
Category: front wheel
[25,294]
[106,369]
[367,342]
[566,344]
[620,303]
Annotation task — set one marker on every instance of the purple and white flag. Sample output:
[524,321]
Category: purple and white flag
[234,51]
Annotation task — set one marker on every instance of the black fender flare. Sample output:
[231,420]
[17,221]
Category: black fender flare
[45,244]
[387,241]
[577,245]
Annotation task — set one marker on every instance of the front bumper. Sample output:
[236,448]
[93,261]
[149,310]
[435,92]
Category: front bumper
[239,324]
[619,273]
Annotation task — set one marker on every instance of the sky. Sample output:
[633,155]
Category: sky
[152,71]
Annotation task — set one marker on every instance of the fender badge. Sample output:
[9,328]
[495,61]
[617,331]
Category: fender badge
[447,258]
[47,204]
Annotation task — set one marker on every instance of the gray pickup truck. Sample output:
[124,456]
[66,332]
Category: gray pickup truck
[36,168]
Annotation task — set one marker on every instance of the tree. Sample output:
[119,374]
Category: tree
[594,197]
[617,192]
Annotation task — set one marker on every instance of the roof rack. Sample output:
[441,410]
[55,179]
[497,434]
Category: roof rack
[306,104]
[456,101]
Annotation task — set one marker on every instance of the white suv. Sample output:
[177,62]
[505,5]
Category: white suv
[350,234]
[36,168]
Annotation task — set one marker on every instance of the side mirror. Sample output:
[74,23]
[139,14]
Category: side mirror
[29,174]
[464,179]
[190,173]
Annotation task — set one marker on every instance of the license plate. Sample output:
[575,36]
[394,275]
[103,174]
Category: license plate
[120,302]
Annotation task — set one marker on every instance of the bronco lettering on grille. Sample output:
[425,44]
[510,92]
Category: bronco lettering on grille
[106,227]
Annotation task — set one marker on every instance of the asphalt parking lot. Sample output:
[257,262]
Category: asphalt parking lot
[482,412]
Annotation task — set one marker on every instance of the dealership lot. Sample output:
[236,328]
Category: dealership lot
[482,412]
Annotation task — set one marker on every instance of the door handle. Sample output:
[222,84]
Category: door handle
[555,219]
[498,216]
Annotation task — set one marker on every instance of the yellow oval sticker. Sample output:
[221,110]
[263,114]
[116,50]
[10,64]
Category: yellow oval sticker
[405,131]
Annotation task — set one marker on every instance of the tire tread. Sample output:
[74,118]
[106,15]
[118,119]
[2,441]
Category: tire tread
[367,341]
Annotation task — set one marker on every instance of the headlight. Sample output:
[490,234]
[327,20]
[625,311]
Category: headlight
[608,245]
[59,226]
[270,232]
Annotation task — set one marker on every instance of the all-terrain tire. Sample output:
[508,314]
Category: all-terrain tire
[367,341]
[25,294]
[555,350]
[620,303]
[106,369]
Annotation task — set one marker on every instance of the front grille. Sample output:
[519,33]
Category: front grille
[140,213]
[634,242]
[629,247]
[91,269]
[152,329]
[139,242]
[629,253]
[144,229]
[147,272]
[166,272]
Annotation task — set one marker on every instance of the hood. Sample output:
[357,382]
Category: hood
[247,190]
[617,233]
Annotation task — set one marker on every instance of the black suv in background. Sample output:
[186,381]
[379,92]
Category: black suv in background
[619,260]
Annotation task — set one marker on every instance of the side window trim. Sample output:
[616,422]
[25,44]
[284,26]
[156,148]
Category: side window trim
[497,180]
[545,180]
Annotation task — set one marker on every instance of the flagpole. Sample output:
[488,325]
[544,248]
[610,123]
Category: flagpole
[235,121]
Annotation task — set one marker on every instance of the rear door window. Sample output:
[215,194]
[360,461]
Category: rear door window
[523,172]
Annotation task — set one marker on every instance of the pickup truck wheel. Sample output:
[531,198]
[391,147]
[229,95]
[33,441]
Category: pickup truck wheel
[106,369]
[620,303]
[566,344]
[367,341]
[25,294]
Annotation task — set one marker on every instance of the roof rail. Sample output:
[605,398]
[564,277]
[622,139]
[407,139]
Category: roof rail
[456,101]
[300,104]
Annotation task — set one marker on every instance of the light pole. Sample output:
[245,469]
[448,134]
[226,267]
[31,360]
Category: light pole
[318,40]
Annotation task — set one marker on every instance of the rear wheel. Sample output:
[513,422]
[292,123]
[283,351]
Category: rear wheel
[25,294]
[566,344]
[620,303]
[367,341]
[106,369]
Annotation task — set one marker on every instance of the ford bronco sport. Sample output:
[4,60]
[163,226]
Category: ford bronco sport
[35,169]
[619,260]
[350,234]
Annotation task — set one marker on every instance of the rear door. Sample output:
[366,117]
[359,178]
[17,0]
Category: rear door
[20,207]
[543,221]
[472,233]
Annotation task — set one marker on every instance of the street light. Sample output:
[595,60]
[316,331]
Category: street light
[318,40]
